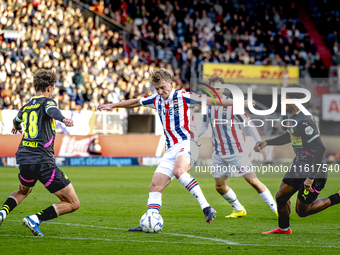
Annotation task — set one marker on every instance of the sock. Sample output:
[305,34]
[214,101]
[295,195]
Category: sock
[192,186]
[231,198]
[268,198]
[335,198]
[8,206]
[154,202]
[284,223]
[47,214]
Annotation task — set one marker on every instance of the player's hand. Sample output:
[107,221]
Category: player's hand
[259,146]
[15,131]
[104,107]
[68,122]
[246,104]
[308,184]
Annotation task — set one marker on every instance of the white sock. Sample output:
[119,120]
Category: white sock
[285,229]
[154,201]
[268,198]
[4,213]
[192,186]
[35,218]
[231,198]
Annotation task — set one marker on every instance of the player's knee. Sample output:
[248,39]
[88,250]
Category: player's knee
[75,205]
[219,189]
[301,213]
[178,172]
[25,192]
[280,199]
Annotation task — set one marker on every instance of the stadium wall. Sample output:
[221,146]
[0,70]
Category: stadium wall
[77,146]
[146,150]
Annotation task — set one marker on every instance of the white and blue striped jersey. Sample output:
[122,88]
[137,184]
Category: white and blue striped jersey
[228,139]
[175,114]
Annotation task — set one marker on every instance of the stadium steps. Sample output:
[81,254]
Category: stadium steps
[324,52]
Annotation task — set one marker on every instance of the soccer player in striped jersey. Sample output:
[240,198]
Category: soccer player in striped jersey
[229,158]
[175,109]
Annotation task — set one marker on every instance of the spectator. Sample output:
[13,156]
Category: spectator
[100,8]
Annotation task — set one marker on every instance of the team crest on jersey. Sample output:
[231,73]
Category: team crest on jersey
[309,130]
[50,103]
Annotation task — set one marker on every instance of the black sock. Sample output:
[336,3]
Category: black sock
[9,205]
[47,214]
[284,222]
[335,199]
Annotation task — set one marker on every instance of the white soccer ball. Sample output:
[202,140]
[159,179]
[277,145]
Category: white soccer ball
[151,222]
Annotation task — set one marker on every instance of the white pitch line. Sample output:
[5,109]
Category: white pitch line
[164,233]
[111,240]
[220,241]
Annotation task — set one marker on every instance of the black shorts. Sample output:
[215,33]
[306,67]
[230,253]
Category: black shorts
[306,197]
[48,174]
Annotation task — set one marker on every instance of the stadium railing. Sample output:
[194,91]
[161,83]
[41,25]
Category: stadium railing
[110,23]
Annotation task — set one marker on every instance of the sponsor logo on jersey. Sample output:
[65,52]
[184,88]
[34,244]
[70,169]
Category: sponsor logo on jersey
[33,106]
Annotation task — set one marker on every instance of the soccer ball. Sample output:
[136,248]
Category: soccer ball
[151,222]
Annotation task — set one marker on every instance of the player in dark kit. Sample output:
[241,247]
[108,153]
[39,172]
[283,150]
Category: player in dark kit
[35,155]
[308,173]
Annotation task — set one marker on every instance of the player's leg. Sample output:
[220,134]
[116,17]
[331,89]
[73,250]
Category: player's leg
[27,177]
[284,208]
[182,166]
[160,180]
[56,182]
[307,202]
[229,195]
[13,200]
[262,190]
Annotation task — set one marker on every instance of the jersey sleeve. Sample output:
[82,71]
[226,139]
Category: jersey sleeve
[308,130]
[19,115]
[149,101]
[49,104]
[192,99]
[53,111]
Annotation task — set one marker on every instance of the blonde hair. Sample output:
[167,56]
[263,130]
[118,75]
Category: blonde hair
[214,78]
[158,75]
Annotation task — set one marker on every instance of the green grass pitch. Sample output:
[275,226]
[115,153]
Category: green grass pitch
[113,199]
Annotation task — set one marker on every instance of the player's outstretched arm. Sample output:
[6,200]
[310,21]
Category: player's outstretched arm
[279,140]
[131,103]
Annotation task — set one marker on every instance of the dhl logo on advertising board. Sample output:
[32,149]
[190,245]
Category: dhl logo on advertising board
[251,73]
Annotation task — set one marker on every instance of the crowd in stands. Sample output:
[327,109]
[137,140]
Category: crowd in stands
[90,61]
[326,15]
[240,32]
[95,66]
